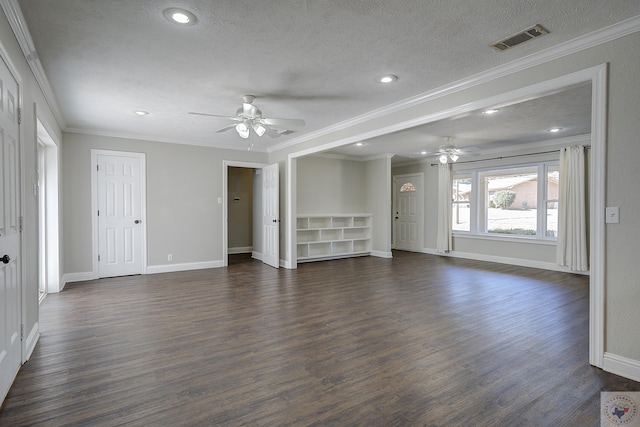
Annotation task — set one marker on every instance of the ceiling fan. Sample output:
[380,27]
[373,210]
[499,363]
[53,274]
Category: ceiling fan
[448,152]
[249,117]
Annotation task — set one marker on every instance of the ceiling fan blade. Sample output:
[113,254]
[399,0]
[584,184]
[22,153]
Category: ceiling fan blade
[213,115]
[284,122]
[272,132]
[226,128]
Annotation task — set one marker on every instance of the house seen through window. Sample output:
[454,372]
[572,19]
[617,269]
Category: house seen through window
[516,201]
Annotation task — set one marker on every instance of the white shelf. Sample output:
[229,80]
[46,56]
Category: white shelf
[323,237]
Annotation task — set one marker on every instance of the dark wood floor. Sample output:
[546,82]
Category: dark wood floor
[414,340]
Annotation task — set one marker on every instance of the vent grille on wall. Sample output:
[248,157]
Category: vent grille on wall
[521,37]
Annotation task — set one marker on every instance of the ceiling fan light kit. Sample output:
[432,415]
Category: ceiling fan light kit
[448,152]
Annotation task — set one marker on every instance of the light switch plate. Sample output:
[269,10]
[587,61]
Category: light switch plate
[612,215]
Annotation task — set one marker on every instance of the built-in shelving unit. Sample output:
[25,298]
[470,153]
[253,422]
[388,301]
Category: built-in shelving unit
[333,236]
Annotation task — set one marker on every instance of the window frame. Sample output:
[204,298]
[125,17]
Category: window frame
[479,201]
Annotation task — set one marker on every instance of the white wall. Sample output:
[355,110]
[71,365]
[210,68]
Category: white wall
[183,215]
[328,185]
[378,202]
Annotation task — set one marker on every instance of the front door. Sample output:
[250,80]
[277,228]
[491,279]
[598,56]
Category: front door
[408,218]
[10,232]
[120,216]
[270,216]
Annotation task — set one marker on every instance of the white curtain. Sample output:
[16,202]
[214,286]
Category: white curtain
[572,207]
[443,241]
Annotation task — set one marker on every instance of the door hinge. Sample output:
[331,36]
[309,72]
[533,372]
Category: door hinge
[19,115]
[98,212]
[97,168]
[98,258]
[22,331]
[21,223]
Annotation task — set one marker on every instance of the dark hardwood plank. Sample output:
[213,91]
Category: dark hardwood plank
[414,340]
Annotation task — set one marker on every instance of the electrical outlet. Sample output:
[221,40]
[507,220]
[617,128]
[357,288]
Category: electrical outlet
[170,257]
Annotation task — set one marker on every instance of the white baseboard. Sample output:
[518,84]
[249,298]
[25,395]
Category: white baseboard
[240,250]
[76,277]
[505,260]
[152,269]
[169,268]
[31,341]
[382,254]
[623,366]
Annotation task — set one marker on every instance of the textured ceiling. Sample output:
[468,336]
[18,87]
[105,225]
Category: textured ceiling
[315,60]
[514,126]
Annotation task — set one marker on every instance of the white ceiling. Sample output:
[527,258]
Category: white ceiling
[315,60]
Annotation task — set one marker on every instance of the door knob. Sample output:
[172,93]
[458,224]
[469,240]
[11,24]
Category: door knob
[137,221]
[5,259]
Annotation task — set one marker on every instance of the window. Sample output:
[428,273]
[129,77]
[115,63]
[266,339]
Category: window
[407,187]
[512,201]
[461,208]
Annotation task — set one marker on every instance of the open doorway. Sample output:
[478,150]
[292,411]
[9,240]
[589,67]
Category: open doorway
[242,214]
[48,210]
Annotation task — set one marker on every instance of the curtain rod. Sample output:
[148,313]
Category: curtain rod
[587,147]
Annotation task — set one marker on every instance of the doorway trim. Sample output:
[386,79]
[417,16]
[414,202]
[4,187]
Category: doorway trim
[225,203]
[597,76]
[95,273]
[51,237]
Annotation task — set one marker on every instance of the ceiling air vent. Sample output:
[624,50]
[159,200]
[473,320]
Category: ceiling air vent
[521,37]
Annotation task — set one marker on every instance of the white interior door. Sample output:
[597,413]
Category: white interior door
[408,218]
[10,239]
[270,216]
[119,197]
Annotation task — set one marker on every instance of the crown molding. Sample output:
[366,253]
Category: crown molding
[581,43]
[521,150]
[16,20]
[333,156]
[138,137]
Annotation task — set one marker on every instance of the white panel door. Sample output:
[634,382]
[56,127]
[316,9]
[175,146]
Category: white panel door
[270,216]
[10,240]
[408,212]
[119,196]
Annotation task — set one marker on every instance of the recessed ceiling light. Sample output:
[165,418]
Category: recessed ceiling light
[554,130]
[180,16]
[387,78]
[141,113]
[423,152]
[359,144]
[490,111]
